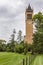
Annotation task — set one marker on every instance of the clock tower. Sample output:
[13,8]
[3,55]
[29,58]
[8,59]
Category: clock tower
[29,25]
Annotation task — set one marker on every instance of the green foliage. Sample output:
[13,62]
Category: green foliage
[2,45]
[38,35]
[11,45]
[19,38]
[25,48]
[29,47]
[19,48]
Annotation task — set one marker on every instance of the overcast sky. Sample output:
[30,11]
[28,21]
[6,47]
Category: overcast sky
[12,15]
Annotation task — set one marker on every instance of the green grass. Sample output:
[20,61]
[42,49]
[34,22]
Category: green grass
[38,60]
[10,58]
[16,59]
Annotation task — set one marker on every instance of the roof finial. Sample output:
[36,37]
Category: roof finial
[29,7]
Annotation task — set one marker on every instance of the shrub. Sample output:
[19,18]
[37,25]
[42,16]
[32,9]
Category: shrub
[19,48]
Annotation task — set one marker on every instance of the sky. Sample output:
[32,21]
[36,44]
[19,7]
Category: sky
[12,15]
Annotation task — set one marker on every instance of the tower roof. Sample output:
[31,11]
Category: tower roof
[29,9]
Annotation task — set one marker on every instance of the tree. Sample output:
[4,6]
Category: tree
[19,38]
[19,48]
[25,48]
[11,45]
[2,45]
[38,35]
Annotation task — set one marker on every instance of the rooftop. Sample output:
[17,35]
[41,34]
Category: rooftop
[29,9]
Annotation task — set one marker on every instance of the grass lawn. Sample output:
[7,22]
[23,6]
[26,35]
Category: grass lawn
[10,58]
[38,60]
[16,59]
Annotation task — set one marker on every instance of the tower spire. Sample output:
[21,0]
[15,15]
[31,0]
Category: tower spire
[29,8]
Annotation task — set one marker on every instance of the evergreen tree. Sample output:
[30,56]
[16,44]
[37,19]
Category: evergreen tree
[19,38]
[11,44]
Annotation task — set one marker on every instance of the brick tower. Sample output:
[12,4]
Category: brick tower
[29,25]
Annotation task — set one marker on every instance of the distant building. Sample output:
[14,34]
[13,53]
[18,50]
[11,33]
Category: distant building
[29,25]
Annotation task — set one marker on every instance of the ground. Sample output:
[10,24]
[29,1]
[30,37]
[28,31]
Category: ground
[38,60]
[16,59]
[10,58]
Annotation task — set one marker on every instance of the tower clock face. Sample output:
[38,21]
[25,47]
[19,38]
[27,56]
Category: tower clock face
[29,16]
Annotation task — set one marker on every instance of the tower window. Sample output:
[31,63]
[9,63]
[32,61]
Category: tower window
[29,16]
